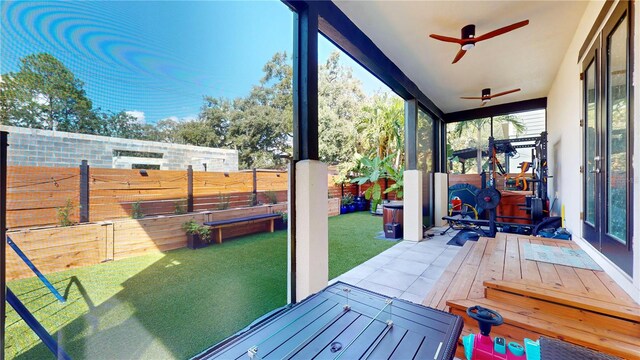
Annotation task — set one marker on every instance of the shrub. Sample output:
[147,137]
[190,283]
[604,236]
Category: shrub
[191,227]
[180,207]
[272,196]
[136,210]
[253,199]
[65,212]
[347,200]
[223,201]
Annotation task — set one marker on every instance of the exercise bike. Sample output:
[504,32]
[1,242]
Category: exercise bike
[483,347]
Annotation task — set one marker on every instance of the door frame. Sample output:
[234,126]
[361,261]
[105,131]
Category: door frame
[598,235]
[589,232]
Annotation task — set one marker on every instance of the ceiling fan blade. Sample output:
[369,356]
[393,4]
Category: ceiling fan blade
[505,93]
[484,103]
[447,39]
[459,55]
[502,30]
[471,97]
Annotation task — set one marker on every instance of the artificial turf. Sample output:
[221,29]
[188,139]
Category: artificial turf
[174,304]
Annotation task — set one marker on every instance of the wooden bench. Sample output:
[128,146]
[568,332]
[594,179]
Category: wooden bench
[220,224]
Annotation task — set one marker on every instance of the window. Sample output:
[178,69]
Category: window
[467,141]
[140,154]
[145,166]
[425,142]
[463,138]
[187,84]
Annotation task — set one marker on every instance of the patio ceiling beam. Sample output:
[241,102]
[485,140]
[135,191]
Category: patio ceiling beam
[343,33]
[497,110]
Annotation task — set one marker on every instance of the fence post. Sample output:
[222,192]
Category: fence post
[254,200]
[4,144]
[84,191]
[189,188]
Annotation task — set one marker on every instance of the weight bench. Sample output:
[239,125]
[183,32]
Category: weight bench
[220,224]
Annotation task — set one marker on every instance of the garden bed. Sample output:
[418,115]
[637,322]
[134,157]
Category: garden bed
[56,248]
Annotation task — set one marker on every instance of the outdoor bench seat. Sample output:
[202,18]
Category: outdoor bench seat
[220,224]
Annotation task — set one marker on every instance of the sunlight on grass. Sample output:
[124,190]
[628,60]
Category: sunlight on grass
[175,304]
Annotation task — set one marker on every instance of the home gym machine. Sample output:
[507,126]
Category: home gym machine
[488,197]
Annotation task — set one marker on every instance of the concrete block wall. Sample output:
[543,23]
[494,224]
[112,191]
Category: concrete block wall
[33,147]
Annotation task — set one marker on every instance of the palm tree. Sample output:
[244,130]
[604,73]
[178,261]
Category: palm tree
[479,124]
[382,129]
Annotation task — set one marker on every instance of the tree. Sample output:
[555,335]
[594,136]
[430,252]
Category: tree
[212,126]
[340,107]
[44,94]
[261,125]
[382,129]
[120,125]
[165,130]
[463,132]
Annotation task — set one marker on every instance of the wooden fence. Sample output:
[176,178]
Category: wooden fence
[36,195]
[475,180]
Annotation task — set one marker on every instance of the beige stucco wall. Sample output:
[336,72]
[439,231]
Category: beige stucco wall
[566,143]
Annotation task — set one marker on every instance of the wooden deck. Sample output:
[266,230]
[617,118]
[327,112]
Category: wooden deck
[580,306]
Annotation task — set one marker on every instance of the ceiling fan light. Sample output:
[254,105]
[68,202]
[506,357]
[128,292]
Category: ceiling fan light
[468,46]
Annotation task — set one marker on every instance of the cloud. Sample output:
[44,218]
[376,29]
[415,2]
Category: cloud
[181,119]
[139,115]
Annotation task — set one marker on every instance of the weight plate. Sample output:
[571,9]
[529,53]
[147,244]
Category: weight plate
[488,198]
[536,209]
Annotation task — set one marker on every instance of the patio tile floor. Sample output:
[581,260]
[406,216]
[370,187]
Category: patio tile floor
[408,270]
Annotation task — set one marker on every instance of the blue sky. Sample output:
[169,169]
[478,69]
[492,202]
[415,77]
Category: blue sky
[157,58]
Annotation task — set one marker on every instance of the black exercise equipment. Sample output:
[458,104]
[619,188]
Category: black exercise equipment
[488,198]
[552,222]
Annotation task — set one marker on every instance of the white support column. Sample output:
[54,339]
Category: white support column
[312,228]
[440,197]
[412,211]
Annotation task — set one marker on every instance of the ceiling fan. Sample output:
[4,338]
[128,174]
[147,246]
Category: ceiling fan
[468,37]
[486,95]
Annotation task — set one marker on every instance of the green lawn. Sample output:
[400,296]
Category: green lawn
[175,304]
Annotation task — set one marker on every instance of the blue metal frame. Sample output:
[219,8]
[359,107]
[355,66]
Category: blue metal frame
[35,270]
[4,144]
[42,333]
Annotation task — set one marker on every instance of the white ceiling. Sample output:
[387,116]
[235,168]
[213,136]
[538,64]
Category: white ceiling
[526,58]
